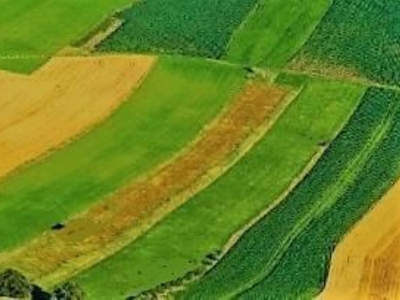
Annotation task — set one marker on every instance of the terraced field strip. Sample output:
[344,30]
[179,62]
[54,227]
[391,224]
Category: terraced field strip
[165,114]
[366,264]
[274,31]
[338,45]
[86,236]
[261,250]
[302,271]
[39,113]
[190,27]
[34,30]
[178,244]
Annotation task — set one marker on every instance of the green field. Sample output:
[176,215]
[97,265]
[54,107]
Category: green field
[35,29]
[307,260]
[275,31]
[361,35]
[169,109]
[192,27]
[180,242]
[337,174]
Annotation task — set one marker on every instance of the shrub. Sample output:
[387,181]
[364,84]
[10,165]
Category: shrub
[15,285]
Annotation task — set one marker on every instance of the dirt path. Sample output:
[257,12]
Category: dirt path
[60,101]
[107,227]
[366,265]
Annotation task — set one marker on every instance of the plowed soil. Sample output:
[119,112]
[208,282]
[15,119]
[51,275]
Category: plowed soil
[66,97]
[104,222]
[366,265]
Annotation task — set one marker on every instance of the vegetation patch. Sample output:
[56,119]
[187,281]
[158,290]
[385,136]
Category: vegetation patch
[178,244]
[265,247]
[31,31]
[192,27]
[275,31]
[360,35]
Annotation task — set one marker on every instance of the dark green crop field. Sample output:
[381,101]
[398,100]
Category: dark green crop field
[192,27]
[360,35]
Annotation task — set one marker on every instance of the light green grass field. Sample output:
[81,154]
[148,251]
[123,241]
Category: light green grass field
[169,109]
[179,243]
[36,29]
[275,31]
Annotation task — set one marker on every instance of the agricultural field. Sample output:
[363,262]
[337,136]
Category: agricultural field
[191,27]
[30,103]
[297,248]
[275,31]
[215,149]
[367,257]
[346,43]
[93,166]
[229,200]
[31,31]
[90,231]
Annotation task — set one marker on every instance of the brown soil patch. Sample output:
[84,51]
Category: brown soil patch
[136,203]
[366,265]
[63,99]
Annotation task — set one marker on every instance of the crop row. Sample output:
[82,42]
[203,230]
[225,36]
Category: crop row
[197,28]
[346,38]
[262,248]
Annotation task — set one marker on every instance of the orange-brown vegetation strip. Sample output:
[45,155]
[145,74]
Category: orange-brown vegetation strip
[63,99]
[366,265]
[104,222]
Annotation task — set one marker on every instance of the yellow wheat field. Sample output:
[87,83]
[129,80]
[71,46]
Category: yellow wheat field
[366,265]
[67,96]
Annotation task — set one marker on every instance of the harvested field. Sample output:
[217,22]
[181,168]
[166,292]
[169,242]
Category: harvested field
[91,231]
[43,111]
[366,264]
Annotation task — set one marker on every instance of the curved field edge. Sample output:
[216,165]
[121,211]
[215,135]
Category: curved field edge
[178,244]
[26,41]
[274,31]
[145,131]
[59,94]
[364,263]
[88,238]
[306,262]
[259,250]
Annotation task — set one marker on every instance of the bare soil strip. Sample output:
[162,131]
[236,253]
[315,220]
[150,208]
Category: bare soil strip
[63,99]
[366,265]
[107,227]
